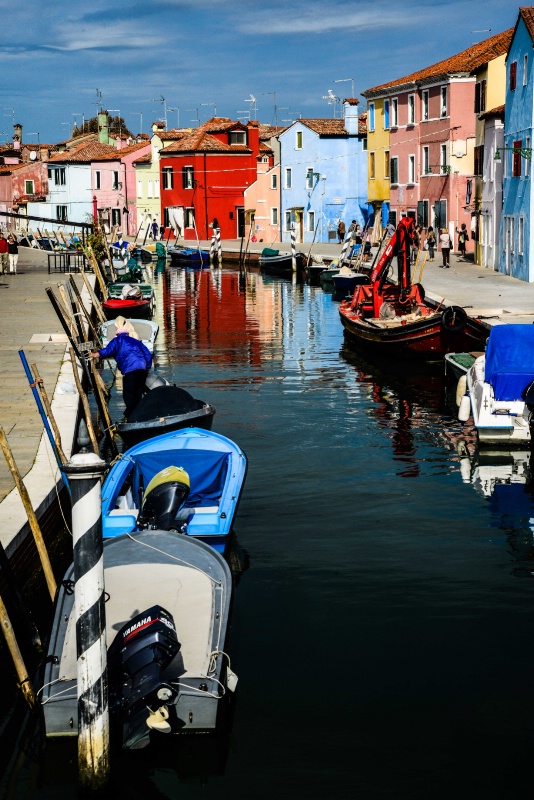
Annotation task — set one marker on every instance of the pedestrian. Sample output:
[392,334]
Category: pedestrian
[4,250]
[133,360]
[155,229]
[215,224]
[162,232]
[341,231]
[390,229]
[446,245]
[463,236]
[13,253]
[431,242]
[416,241]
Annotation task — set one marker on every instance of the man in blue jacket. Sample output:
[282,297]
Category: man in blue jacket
[134,360]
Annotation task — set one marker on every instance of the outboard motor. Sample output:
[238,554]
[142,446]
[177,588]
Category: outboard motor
[137,657]
[164,496]
[154,380]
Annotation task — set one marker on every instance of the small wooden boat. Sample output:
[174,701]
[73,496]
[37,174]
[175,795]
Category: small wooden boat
[182,256]
[129,300]
[143,329]
[162,410]
[346,280]
[499,388]
[167,613]
[215,468]
[457,364]
[272,263]
[392,319]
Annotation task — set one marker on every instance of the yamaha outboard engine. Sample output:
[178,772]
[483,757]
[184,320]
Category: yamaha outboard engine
[164,496]
[139,654]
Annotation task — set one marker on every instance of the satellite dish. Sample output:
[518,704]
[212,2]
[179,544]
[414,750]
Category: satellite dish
[33,155]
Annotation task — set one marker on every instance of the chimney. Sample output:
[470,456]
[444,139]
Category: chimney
[17,136]
[103,127]
[350,115]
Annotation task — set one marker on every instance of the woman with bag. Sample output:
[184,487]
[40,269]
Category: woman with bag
[446,245]
[463,236]
[431,242]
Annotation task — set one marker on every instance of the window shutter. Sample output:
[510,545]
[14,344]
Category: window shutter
[516,163]
[513,75]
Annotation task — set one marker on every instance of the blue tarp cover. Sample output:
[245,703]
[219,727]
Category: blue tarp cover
[510,360]
[206,470]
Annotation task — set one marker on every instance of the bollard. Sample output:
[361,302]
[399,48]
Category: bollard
[219,245]
[212,251]
[293,251]
[85,471]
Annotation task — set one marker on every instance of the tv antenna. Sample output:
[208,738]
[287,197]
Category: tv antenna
[252,108]
[275,108]
[332,100]
[98,101]
[164,118]
[178,111]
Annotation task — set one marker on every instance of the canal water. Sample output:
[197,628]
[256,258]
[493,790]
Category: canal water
[383,615]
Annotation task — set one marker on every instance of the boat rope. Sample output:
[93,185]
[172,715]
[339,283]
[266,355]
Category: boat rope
[177,558]
[202,691]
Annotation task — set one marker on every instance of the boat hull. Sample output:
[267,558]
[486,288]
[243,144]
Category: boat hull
[134,432]
[282,265]
[188,257]
[137,309]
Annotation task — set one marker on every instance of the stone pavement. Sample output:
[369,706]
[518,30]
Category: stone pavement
[28,321]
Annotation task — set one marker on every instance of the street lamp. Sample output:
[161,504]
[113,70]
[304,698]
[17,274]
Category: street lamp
[526,152]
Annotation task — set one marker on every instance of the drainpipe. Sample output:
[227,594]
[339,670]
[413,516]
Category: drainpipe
[205,195]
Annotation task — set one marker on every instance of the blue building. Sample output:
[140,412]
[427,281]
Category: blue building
[323,172]
[516,231]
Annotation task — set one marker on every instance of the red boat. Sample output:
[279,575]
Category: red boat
[136,309]
[392,318]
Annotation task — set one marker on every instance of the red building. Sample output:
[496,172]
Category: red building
[204,175]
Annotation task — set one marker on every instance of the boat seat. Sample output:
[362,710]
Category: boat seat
[130,512]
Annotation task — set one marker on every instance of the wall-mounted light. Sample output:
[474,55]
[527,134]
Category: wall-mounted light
[526,152]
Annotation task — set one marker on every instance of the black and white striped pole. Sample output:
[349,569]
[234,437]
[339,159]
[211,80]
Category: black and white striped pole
[293,250]
[344,249]
[219,245]
[212,251]
[85,471]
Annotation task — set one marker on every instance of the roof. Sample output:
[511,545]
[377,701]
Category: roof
[493,112]
[116,155]
[268,131]
[326,126]
[201,142]
[526,13]
[84,153]
[465,62]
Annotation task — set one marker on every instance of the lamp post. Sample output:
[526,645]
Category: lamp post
[526,152]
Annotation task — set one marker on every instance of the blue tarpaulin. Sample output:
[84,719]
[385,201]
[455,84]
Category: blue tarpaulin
[510,360]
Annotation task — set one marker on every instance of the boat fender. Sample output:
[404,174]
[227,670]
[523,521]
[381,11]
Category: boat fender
[461,388]
[464,411]
[453,319]
[465,470]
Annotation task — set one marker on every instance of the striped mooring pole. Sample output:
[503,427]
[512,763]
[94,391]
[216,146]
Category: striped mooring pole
[293,250]
[212,250]
[219,245]
[85,471]
[346,245]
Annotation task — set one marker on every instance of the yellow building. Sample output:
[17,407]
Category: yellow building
[378,162]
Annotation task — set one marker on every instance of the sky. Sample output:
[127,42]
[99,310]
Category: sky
[192,59]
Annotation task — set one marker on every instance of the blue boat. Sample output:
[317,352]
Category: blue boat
[188,256]
[188,481]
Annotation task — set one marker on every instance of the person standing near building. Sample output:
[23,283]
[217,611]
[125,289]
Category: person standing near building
[416,241]
[4,250]
[341,231]
[431,242]
[155,229]
[446,245]
[463,236]
[13,253]
[134,360]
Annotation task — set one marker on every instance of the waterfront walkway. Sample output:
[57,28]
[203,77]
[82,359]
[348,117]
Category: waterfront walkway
[28,322]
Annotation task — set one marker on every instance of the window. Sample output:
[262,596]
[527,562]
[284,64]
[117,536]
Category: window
[411,109]
[513,75]
[411,169]
[309,178]
[425,104]
[520,235]
[115,185]
[372,166]
[288,177]
[479,160]
[274,181]
[29,187]
[237,137]
[167,178]
[394,171]
[443,160]
[298,142]
[371,117]
[188,178]
[480,97]
[97,179]
[139,188]
[386,164]
[394,112]
[116,217]
[274,216]
[156,188]
[149,191]
[444,99]
[422,213]
[59,176]
[386,115]
[516,159]
[189,217]
[525,69]
[364,143]
[440,214]
[61,213]
[311,221]
[288,220]
[426,160]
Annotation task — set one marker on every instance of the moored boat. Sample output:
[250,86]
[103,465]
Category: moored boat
[143,329]
[167,614]
[182,256]
[215,468]
[136,301]
[393,319]
[272,263]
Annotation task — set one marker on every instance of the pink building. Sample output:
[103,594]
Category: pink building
[262,198]
[113,181]
[432,128]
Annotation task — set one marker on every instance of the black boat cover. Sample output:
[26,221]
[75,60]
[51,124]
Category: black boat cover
[164,401]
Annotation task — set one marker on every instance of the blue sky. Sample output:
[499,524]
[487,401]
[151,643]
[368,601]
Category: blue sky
[54,56]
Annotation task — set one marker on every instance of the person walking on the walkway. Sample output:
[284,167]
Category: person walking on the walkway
[341,231]
[155,229]
[134,360]
[416,241]
[13,253]
[431,242]
[446,245]
[4,250]
[463,236]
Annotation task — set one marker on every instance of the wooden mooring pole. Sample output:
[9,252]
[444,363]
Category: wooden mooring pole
[11,641]
[85,471]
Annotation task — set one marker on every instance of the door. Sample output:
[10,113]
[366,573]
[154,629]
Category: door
[240,222]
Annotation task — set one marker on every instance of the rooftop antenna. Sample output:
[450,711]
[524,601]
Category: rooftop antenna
[164,118]
[79,114]
[197,120]
[12,115]
[214,107]
[275,108]
[66,124]
[332,100]
[117,111]
[140,113]
[245,118]
[98,102]
[252,107]
[178,110]
[344,80]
